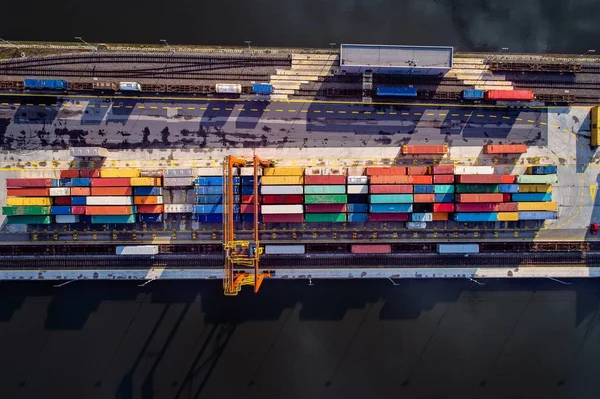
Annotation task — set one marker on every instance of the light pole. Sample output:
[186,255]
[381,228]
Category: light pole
[171,49]
[590,51]
[14,45]
[248,42]
[86,43]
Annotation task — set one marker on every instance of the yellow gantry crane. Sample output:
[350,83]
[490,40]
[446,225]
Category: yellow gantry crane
[241,257]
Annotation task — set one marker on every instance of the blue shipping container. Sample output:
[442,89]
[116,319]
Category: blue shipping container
[249,217]
[147,191]
[54,183]
[537,215]
[544,170]
[151,217]
[390,208]
[396,91]
[357,208]
[457,248]
[214,199]
[213,208]
[60,210]
[262,88]
[213,218]
[213,190]
[64,183]
[423,189]
[358,198]
[49,84]
[444,197]
[77,201]
[81,182]
[508,188]
[247,190]
[532,197]
[213,181]
[476,217]
[249,180]
[473,94]
[358,217]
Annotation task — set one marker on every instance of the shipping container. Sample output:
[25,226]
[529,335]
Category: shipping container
[443,207]
[213,190]
[542,170]
[147,191]
[45,84]
[443,179]
[212,217]
[60,210]
[147,200]
[477,188]
[247,190]
[444,197]
[61,201]
[284,171]
[281,180]
[113,219]
[228,88]
[416,225]
[537,179]
[324,189]
[508,216]
[111,182]
[330,179]
[283,218]
[505,148]
[388,217]
[213,208]
[476,207]
[473,170]
[119,172]
[485,179]
[472,94]
[110,191]
[391,179]
[69,173]
[181,172]
[537,206]
[81,191]
[16,201]
[89,173]
[481,197]
[179,208]
[391,198]
[248,180]
[391,189]
[178,181]
[337,171]
[60,191]
[421,217]
[385,171]
[423,188]
[371,249]
[284,249]
[31,210]
[457,248]
[506,207]
[213,181]
[137,250]
[358,189]
[248,208]
[212,171]
[442,169]
[440,217]
[358,217]
[325,217]
[26,183]
[210,199]
[150,209]
[262,88]
[64,183]
[109,210]
[81,182]
[325,208]
[508,188]
[145,181]
[424,149]
[358,198]
[537,215]
[424,198]
[476,217]
[28,219]
[532,197]
[78,201]
[395,91]
[114,200]
[282,209]
[130,86]
[78,210]
[509,95]
[67,219]
[422,179]
[358,180]
[390,208]
[357,208]
[443,189]
[151,218]
[282,199]
[27,192]
[535,188]
[325,199]
[417,170]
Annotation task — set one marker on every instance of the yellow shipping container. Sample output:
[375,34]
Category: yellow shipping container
[508,216]
[535,188]
[537,206]
[145,181]
[280,180]
[18,201]
[283,172]
[119,172]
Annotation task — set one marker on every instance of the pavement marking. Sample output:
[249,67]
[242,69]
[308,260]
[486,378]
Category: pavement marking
[593,191]
[416,113]
[493,116]
[191,108]
[29,105]
[153,107]
[316,111]
[304,110]
[4,103]
[342,112]
[216,109]
[442,114]
[519,119]
[165,107]
[406,113]
[455,115]
[468,115]
[480,116]
[367,112]
[329,111]
[543,123]
[141,106]
[104,106]
[203,109]
[506,117]
[228,109]
[278,110]
[355,112]
[380,113]
[391,113]
[530,121]
[291,110]
[266,110]
[129,106]
[92,105]
[556,126]
[54,105]
[254,109]
[118,106]
[430,114]
[241,109]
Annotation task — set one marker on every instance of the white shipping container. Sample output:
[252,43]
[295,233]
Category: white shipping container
[325,171]
[188,172]
[284,249]
[178,181]
[117,200]
[357,180]
[421,217]
[281,190]
[356,171]
[281,209]
[248,172]
[358,189]
[88,152]
[228,88]
[416,225]
[60,191]
[179,208]
[473,170]
[208,172]
[137,250]
[151,173]
[67,218]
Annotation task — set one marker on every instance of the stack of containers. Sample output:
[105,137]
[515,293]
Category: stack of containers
[443,189]
[148,197]
[247,195]
[325,196]
[358,195]
[28,201]
[111,197]
[62,208]
[534,197]
[424,196]
[209,199]
[177,184]
[390,194]
[281,190]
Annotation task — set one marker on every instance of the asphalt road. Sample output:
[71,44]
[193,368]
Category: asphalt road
[51,123]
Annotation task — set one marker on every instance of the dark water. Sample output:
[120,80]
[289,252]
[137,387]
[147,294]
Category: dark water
[520,25]
[349,339]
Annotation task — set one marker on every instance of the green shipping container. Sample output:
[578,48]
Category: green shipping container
[28,220]
[325,199]
[324,189]
[391,199]
[443,188]
[108,219]
[477,188]
[325,217]
[537,179]
[25,210]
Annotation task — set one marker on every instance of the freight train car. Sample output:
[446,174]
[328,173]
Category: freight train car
[227,88]
[498,95]
[130,86]
[45,84]
[262,88]
[388,91]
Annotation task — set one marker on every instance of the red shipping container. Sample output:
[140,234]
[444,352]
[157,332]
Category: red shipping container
[507,207]
[391,189]
[69,173]
[28,183]
[443,179]
[424,149]
[417,170]
[508,179]
[482,179]
[371,249]
[388,217]
[476,207]
[506,197]
[28,192]
[109,210]
[283,199]
[78,210]
[386,171]
[326,208]
[390,179]
[443,169]
[428,198]
[446,207]
[110,191]
[150,209]
[249,199]
[422,179]
[80,191]
[248,208]
[281,218]
[482,197]
[62,201]
[111,182]
[505,149]
[329,179]
[514,95]
[91,173]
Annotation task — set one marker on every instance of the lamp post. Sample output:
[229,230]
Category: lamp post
[14,45]
[248,42]
[86,43]
[171,49]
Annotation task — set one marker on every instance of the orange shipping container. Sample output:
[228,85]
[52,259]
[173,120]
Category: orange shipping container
[505,149]
[422,179]
[147,200]
[424,149]
[109,210]
[111,182]
[443,169]
[69,173]
[417,170]
[393,170]
[443,179]
[111,191]
[150,209]
[437,216]
[424,198]
[391,179]
[27,192]
[481,197]
[81,191]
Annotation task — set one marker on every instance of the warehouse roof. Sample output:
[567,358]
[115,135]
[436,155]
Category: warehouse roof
[396,56]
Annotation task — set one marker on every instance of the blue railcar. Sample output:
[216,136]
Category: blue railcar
[508,188]
[390,208]
[147,191]
[473,94]
[389,91]
[532,197]
[358,217]
[444,197]
[60,210]
[151,217]
[78,201]
[45,84]
[423,189]
[357,208]
[262,88]
[544,170]
[537,215]
[476,217]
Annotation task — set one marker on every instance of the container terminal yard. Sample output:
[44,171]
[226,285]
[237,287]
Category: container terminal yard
[245,165]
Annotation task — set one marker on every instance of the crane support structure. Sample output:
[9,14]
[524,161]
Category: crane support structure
[241,264]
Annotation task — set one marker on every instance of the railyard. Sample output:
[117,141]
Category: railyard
[154,131]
